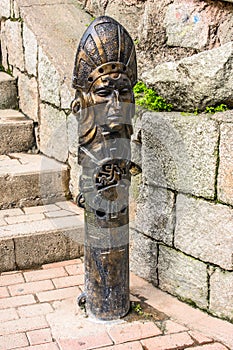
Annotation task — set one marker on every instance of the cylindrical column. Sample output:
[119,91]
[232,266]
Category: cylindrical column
[104,75]
[107,236]
[106,267]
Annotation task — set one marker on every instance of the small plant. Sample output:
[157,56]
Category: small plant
[8,70]
[137,308]
[149,99]
[219,108]
[92,19]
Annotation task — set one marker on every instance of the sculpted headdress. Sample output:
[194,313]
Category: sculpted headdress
[106,47]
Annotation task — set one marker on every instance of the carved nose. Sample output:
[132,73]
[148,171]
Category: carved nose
[116,101]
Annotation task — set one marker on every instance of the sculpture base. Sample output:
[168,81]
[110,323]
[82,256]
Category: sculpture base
[107,282]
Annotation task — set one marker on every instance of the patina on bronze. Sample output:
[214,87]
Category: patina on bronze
[104,75]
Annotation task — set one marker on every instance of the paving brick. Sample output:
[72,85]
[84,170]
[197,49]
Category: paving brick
[136,345]
[20,300]
[170,341]
[7,273]
[41,209]
[39,275]
[173,327]
[10,212]
[68,281]
[13,341]
[215,346]
[24,218]
[8,315]
[8,279]
[133,331]
[65,263]
[58,294]
[40,336]
[75,269]
[3,292]
[85,343]
[23,325]
[200,338]
[35,310]
[71,207]
[59,213]
[47,346]
[31,287]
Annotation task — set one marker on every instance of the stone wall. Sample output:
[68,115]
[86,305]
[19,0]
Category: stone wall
[182,236]
[173,39]
[39,49]
[182,239]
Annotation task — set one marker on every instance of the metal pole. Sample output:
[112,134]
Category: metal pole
[104,75]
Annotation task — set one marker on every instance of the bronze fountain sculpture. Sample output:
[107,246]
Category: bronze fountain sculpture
[104,74]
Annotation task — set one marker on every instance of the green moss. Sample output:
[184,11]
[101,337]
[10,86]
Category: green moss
[92,19]
[136,307]
[219,108]
[149,99]
[14,19]
[212,109]
[8,70]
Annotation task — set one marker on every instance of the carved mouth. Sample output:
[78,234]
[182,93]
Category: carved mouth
[115,117]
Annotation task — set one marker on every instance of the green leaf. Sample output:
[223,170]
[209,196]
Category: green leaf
[149,99]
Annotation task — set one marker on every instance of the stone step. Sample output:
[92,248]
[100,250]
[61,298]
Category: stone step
[32,236]
[31,179]
[16,132]
[8,91]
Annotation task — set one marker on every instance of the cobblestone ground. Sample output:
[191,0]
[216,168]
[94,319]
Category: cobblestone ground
[38,311]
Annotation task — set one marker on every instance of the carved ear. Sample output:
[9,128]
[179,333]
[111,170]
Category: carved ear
[75,106]
[85,117]
[79,103]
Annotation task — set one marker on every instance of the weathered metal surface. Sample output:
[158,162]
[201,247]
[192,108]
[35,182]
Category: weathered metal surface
[104,75]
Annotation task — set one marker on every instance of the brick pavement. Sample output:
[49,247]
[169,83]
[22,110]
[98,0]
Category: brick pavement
[38,311]
[33,229]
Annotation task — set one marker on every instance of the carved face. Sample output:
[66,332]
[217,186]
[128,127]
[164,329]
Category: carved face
[112,99]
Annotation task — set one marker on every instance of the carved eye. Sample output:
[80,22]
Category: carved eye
[103,92]
[124,91]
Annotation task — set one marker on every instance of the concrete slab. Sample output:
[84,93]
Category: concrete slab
[8,91]
[30,238]
[16,132]
[29,179]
